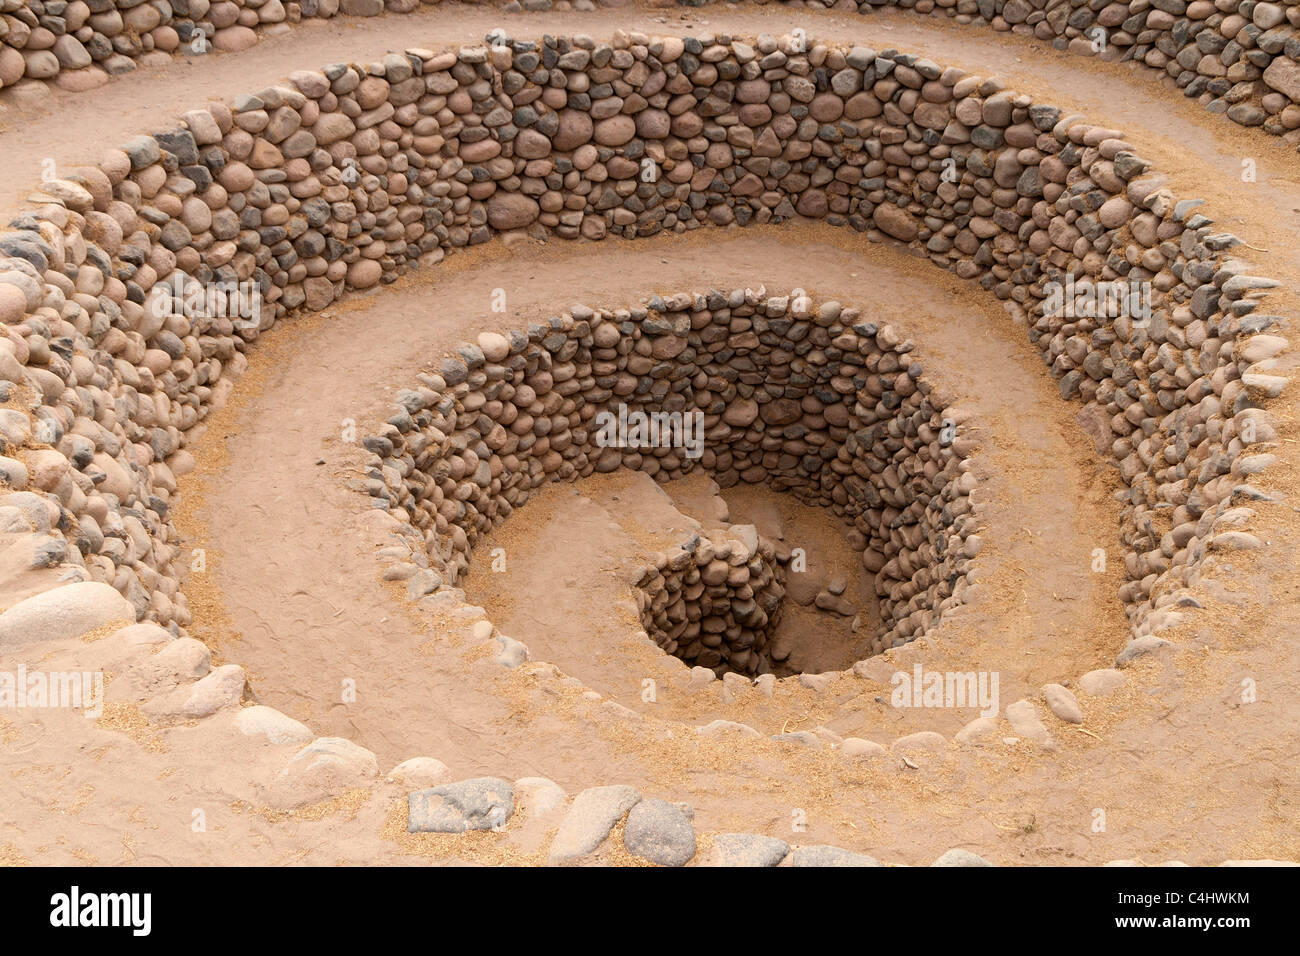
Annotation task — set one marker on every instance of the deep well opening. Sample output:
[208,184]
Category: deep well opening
[716,602]
[809,399]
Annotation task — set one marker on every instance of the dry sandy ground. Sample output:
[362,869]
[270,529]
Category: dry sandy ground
[1180,769]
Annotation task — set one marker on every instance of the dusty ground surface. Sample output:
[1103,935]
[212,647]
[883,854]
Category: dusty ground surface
[1180,767]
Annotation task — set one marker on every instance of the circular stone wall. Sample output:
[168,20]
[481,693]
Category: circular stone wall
[1238,58]
[715,602]
[816,400]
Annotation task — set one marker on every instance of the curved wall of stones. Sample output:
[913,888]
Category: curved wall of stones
[351,176]
[1238,57]
[810,399]
[80,43]
[715,601]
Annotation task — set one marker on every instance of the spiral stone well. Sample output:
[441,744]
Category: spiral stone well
[811,399]
[347,179]
[351,177]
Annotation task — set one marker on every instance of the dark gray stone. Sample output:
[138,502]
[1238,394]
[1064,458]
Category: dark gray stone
[660,832]
[143,151]
[180,143]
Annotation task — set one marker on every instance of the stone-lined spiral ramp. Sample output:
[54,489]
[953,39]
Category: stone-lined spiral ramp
[1236,57]
[477,756]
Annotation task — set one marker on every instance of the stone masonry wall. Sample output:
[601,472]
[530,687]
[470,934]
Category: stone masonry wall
[1237,57]
[351,176]
[809,399]
[715,601]
[79,44]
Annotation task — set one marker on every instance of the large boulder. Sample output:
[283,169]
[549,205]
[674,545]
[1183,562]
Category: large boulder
[1283,74]
[483,803]
[512,211]
[575,129]
[592,815]
[660,832]
[62,613]
[895,222]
